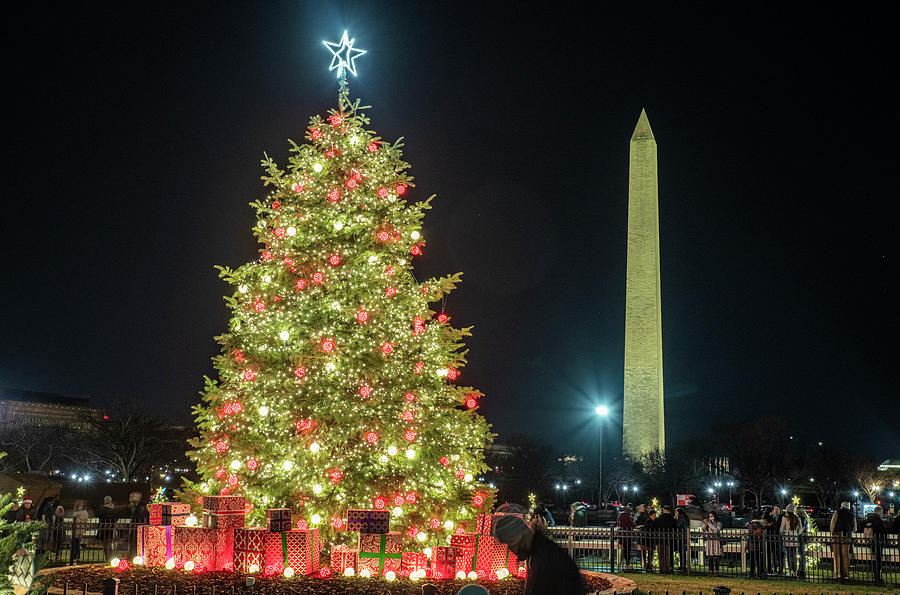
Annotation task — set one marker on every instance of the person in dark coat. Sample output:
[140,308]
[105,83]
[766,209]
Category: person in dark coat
[625,526]
[27,512]
[550,569]
[682,529]
[756,529]
[875,534]
[640,524]
[666,531]
[106,529]
[843,526]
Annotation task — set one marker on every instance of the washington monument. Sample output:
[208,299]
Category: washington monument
[643,418]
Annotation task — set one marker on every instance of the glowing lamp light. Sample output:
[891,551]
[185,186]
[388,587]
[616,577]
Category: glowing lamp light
[354,140]
[448,525]
[365,573]
[264,411]
[235,465]
[191,521]
[415,235]
[189,565]
[170,564]
[349,571]
[292,231]
[254,568]
[330,367]
[243,288]
[317,489]
[472,575]
[383,459]
[338,225]
[397,511]
[287,465]
[467,477]
[392,450]
[390,575]
[317,167]
[314,447]
[460,574]
[114,562]
[315,519]
[422,536]
[288,572]
[410,453]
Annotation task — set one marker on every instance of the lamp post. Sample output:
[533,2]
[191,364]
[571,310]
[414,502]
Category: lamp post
[730,485]
[602,411]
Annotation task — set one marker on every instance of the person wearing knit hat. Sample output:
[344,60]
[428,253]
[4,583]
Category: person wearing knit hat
[550,569]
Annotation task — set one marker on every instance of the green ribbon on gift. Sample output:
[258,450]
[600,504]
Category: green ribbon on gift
[382,555]
[475,557]
[284,548]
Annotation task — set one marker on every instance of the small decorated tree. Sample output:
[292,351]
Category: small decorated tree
[338,386]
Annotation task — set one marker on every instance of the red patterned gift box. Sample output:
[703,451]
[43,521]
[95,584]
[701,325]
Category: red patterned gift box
[298,549]
[195,544]
[278,519]
[224,548]
[168,513]
[342,557]
[249,548]
[223,512]
[484,523]
[379,552]
[504,558]
[368,521]
[476,551]
[154,544]
[443,561]
[410,561]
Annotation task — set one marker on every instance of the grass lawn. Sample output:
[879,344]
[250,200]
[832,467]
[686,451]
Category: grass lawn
[694,584]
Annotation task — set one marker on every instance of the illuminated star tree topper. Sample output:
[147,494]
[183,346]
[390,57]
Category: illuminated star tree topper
[343,55]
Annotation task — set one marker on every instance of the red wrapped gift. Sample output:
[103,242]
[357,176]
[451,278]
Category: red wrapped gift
[443,561]
[154,544]
[249,548]
[368,521]
[342,558]
[298,549]
[476,551]
[223,512]
[484,523]
[195,544]
[379,552]
[504,558]
[168,513]
[410,561]
[278,520]
[225,548]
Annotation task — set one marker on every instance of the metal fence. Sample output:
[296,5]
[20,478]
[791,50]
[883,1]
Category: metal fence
[733,552]
[87,543]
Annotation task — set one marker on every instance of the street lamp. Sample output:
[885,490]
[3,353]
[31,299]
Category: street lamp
[730,485]
[602,411]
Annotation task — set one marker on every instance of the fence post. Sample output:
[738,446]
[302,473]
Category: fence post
[743,555]
[612,550]
[111,586]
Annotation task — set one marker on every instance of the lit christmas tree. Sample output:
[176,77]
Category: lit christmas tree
[337,383]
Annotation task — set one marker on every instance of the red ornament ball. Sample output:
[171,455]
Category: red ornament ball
[304,425]
[372,147]
[233,480]
[301,284]
[336,119]
[410,435]
[123,565]
[259,305]
[419,367]
[371,437]
[400,189]
[471,403]
[337,522]
[398,500]
[452,373]
[299,372]
[380,503]
[302,525]
[408,415]
[460,473]
[409,397]
[389,270]
[277,205]
[252,464]
[460,531]
[279,232]
[444,461]
[416,250]
[318,278]
[478,500]
[362,317]
[249,375]
[442,318]
[334,195]
[335,475]
[412,532]
[387,348]
[365,391]
[267,255]
[411,497]
[351,183]
[328,345]
[435,523]
[334,260]
[381,192]
[297,188]
[325,572]
[383,236]
[330,153]
[315,133]
[238,355]
[390,291]
[220,472]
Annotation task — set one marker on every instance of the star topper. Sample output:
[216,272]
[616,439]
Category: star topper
[343,55]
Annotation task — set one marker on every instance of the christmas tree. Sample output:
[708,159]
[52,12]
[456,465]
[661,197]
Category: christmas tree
[337,384]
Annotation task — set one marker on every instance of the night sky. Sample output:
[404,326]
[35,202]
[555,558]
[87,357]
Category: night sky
[133,141]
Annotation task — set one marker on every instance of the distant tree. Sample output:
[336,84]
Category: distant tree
[617,472]
[126,441]
[826,471]
[31,448]
[529,467]
[674,471]
[869,479]
[759,452]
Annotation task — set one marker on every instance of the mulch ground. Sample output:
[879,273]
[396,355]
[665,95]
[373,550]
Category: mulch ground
[144,580]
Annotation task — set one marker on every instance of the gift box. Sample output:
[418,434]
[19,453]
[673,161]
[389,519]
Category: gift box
[278,520]
[484,523]
[443,561]
[368,521]
[410,561]
[168,513]
[154,544]
[195,544]
[223,512]
[298,549]
[379,552]
[475,552]
[342,557]
[249,548]
[503,557]
[224,548]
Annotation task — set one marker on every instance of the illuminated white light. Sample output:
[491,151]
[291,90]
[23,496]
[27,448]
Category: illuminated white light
[314,447]
[397,511]
[288,572]
[410,453]
[262,223]
[365,573]
[267,278]
[373,259]
[170,563]
[442,372]
[317,167]
[390,575]
[254,568]
[335,306]
[317,489]
[392,450]
[338,225]
[189,565]
[448,525]
[284,335]
[602,410]
[472,575]
[291,231]
[243,288]
[427,552]
[191,521]
[235,465]
[137,561]
[383,459]
[454,457]
[354,140]
[349,571]
[502,573]
[287,465]
[468,477]
[114,562]
[315,519]
[460,574]
[415,235]
[264,410]
[422,536]
[330,367]
[343,55]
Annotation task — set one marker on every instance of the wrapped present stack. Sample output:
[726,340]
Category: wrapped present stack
[168,513]
[443,561]
[224,514]
[195,544]
[481,551]
[379,549]
[342,558]
[154,544]
[297,549]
